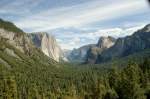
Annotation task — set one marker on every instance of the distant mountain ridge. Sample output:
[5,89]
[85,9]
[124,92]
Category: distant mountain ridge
[89,52]
[103,44]
[137,42]
[109,48]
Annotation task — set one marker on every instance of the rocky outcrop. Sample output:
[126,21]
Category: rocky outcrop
[47,44]
[106,42]
[89,53]
[103,44]
[18,40]
[11,53]
[137,42]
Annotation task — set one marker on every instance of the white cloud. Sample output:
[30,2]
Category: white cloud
[81,14]
[73,42]
[79,39]
[114,32]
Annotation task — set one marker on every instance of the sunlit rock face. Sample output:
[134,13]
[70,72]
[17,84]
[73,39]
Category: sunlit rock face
[103,44]
[50,47]
[18,40]
[47,44]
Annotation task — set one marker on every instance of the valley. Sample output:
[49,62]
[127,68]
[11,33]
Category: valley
[32,66]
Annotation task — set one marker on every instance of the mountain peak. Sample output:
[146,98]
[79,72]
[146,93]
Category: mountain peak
[105,42]
[146,28]
[127,45]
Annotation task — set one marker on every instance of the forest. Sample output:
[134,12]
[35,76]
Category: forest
[76,82]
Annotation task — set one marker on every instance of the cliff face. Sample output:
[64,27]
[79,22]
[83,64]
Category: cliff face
[18,40]
[17,49]
[103,44]
[47,44]
[50,47]
[89,53]
[27,42]
[137,42]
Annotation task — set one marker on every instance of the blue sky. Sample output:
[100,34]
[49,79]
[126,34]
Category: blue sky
[77,22]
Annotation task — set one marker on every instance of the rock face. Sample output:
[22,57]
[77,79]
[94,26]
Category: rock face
[47,44]
[18,50]
[15,36]
[106,42]
[103,44]
[79,55]
[137,42]
[18,40]
[27,42]
[89,53]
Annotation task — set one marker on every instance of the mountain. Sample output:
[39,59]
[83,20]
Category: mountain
[79,55]
[16,46]
[103,44]
[47,44]
[106,42]
[90,52]
[137,42]
[25,41]
[15,37]
[6,25]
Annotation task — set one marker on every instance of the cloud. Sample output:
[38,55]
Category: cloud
[81,14]
[77,24]
[70,43]
[76,40]
[114,32]
[18,7]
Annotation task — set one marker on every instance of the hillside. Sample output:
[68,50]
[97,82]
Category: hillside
[9,26]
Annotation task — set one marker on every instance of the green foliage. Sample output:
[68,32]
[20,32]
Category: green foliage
[8,88]
[9,26]
[111,94]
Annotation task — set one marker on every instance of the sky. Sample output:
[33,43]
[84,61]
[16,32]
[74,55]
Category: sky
[75,23]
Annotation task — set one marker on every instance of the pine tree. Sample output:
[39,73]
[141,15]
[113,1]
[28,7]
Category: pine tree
[114,77]
[9,90]
[99,91]
[130,87]
[111,94]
